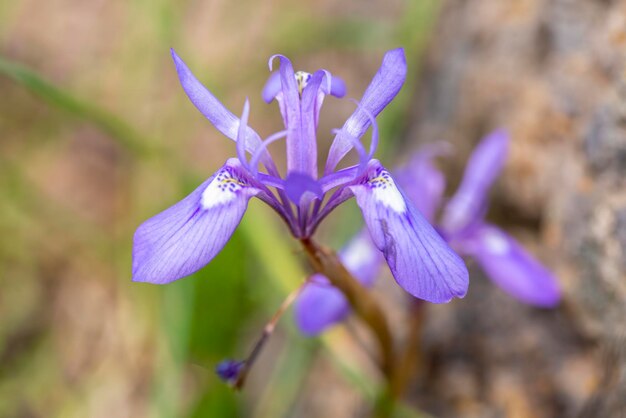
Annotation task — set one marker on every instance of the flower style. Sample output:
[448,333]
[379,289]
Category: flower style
[462,225]
[185,237]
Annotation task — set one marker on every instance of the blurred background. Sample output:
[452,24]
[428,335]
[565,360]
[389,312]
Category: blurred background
[96,135]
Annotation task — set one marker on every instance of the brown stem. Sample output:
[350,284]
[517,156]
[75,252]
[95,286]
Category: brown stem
[326,262]
[409,358]
[267,332]
[407,362]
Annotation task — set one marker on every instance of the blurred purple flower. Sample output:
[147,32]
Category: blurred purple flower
[462,225]
[229,370]
[185,237]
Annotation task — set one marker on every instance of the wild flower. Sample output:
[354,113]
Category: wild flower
[185,237]
[462,225]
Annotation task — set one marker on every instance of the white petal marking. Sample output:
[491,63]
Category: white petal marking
[495,242]
[359,253]
[223,189]
[386,192]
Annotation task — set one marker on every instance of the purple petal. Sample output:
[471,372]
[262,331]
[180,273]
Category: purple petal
[423,183]
[511,267]
[184,238]
[229,370]
[362,258]
[223,120]
[273,87]
[384,87]
[337,87]
[321,305]
[301,143]
[298,184]
[468,203]
[419,259]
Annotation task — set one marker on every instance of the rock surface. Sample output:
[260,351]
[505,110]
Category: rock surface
[554,74]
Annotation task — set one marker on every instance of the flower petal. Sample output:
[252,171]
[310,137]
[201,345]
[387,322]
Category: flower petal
[301,143]
[184,238]
[419,259]
[298,184]
[223,119]
[468,203]
[423,183]
[321,305]
[511,267]
[361,257]
[384,87]
[337,87]
[273,87]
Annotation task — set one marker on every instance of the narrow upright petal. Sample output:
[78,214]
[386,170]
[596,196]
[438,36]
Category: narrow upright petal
[223,119]
[511,267]
[321,305]
[384,87]
[419,259]
[483,167]
[422,182]
[301,143]
[305,149]
[184,238]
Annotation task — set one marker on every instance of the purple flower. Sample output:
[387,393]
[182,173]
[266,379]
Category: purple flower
[463,225]
[229,370]
[185,237]
[502,258]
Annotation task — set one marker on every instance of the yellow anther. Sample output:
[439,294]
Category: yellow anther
[302,79]
[228,180]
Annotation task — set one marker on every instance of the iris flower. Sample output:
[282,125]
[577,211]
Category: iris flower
[185,237]
[462,225]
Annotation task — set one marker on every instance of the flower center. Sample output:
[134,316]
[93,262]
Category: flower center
[302,79]
[222,189]
[385,191]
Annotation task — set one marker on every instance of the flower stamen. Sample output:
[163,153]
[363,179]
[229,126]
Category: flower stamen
[302,79]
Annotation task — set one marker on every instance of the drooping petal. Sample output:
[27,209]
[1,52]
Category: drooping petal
[422,182]
[321,305]
[337,87]
[511,267]
[419,259]
[361,257]
[384,87]
[468,203]
[272,87]
[184,238]
[223,119]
